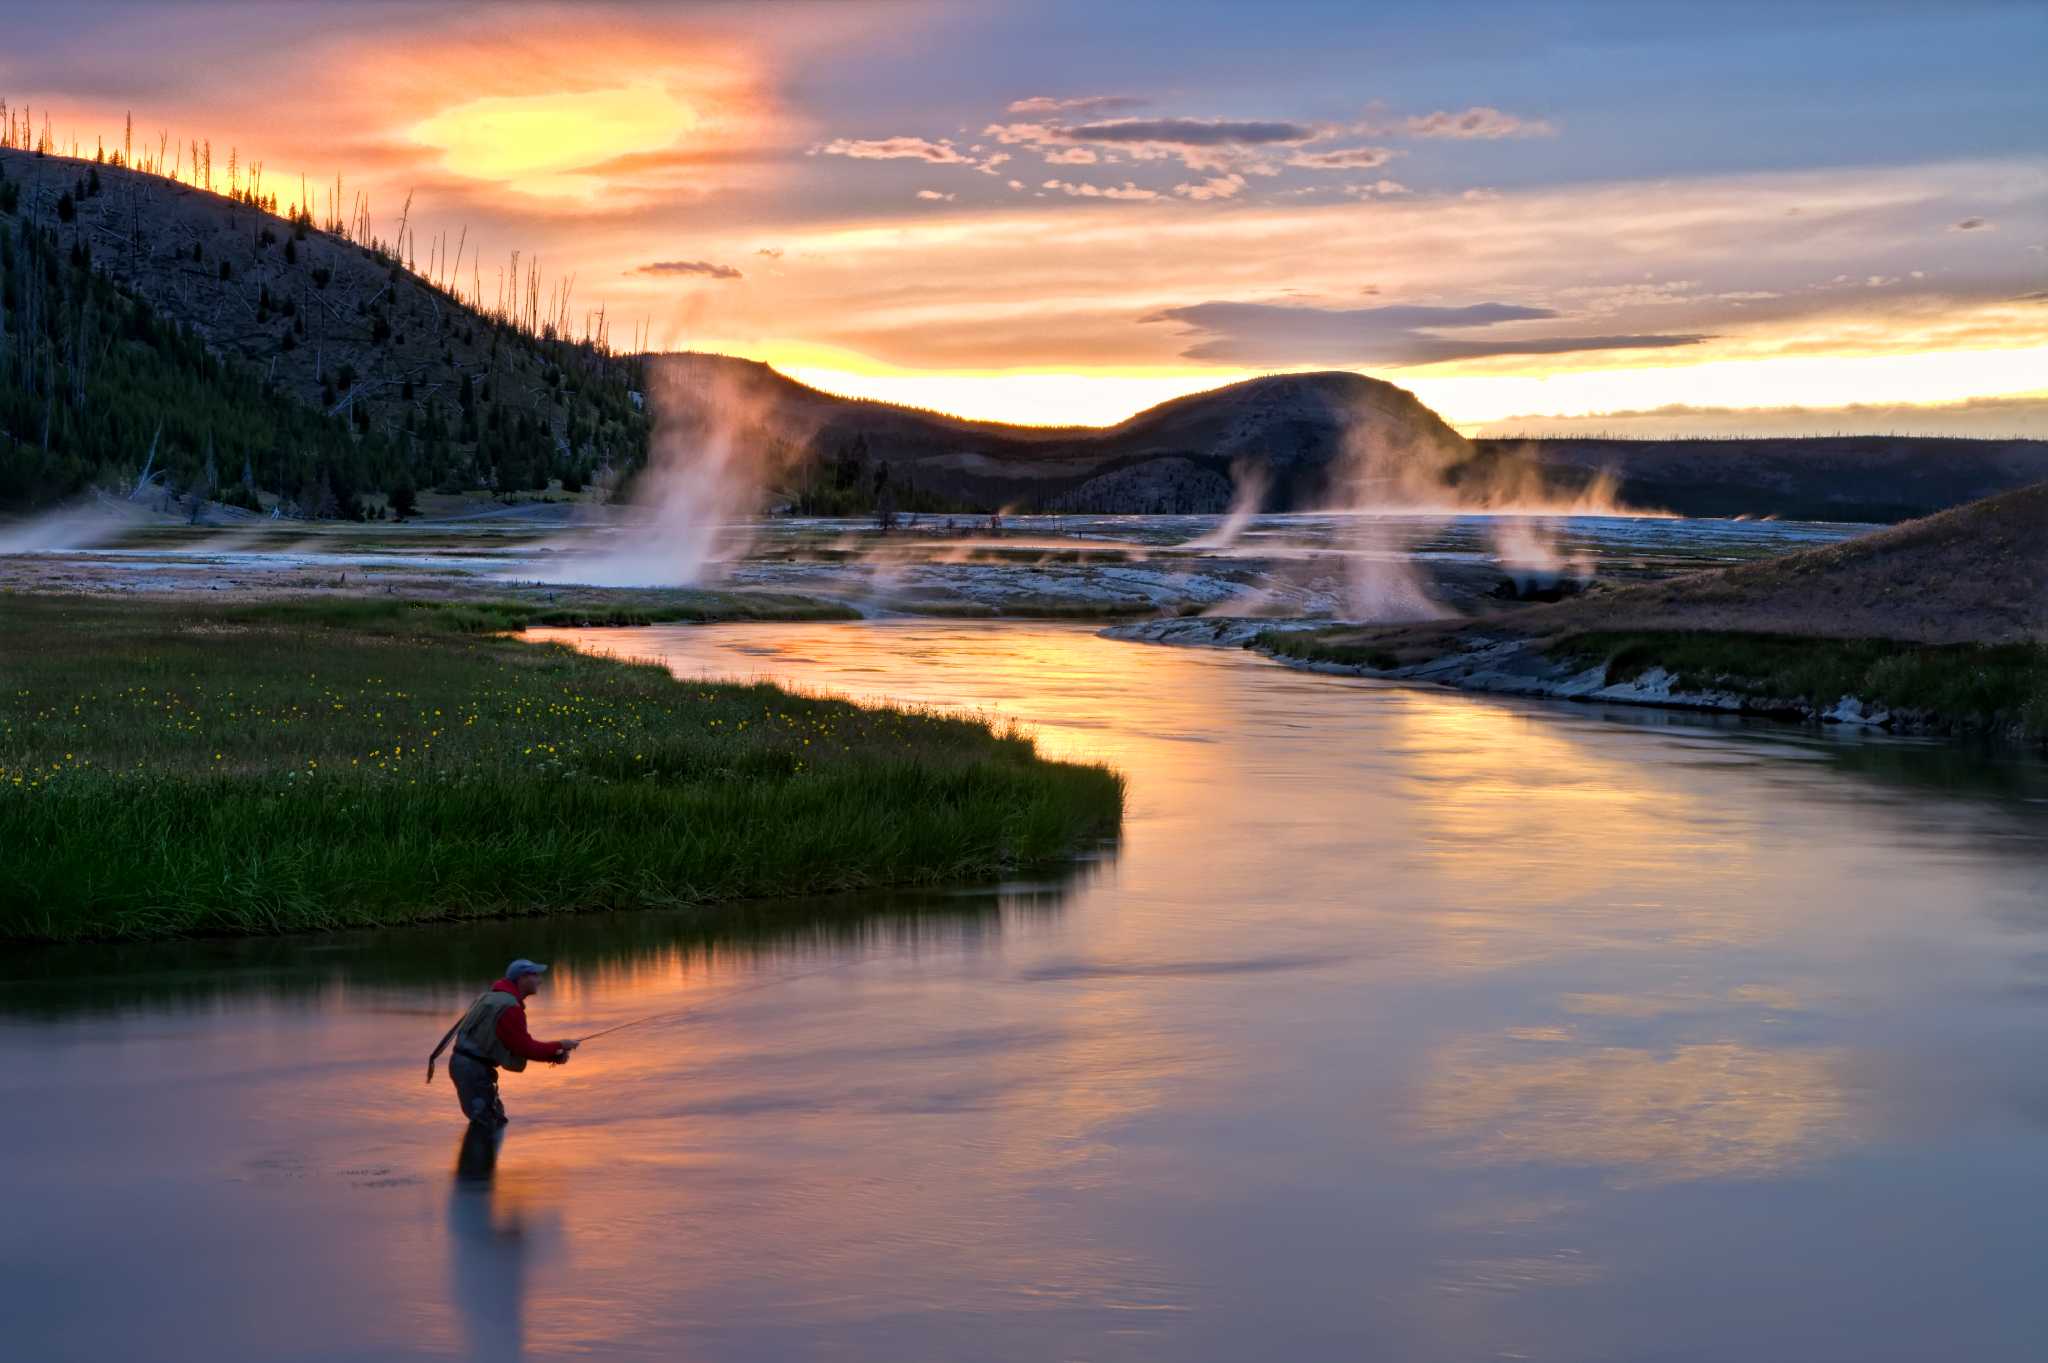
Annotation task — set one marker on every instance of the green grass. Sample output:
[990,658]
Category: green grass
[1970,686]
[168,770]
[1312,646]
[389,614]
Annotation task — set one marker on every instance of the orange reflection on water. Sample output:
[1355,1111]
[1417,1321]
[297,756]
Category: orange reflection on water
[1544,843]
[1694,1111]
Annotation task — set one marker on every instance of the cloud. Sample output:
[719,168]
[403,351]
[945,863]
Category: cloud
[1344,158]
[1970,225]
[942,153]
[1083,104]
[1376,190]
[1481,122]
[1217,187]
[935,196]
[1211,146]
[1189,132]
[1086,191]
[1276,333]
[772,252]
[696,267]
[1025,134]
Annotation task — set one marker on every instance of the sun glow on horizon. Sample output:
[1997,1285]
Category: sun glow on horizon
[1106,396]
[537,143]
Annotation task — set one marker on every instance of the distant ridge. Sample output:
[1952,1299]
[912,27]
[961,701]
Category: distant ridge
[1187,455]
[1872,478]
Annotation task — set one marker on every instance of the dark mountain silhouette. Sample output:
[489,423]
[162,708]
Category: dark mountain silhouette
[144,322]
[1289,432]
[1292,433]
[1875,478]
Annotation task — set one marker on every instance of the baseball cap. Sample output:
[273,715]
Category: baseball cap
[522,966]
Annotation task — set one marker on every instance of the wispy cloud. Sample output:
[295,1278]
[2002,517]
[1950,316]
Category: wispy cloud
[706,268]
[1126,190]
[1281,333]
[940,153]
[1216,187]
[935,196]
[1211,146]
[1343,158]
[1190,132]
[1970,225]
[1481,122]
[1082,104]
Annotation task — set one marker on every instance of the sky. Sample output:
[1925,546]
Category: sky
[1674,219]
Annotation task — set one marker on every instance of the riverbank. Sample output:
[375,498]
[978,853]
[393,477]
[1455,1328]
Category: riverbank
[1934,626]
[182,770]
[1955,689]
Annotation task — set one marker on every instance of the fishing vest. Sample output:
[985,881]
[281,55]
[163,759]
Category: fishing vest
[477,1033]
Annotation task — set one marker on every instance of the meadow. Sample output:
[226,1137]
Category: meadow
[180,770]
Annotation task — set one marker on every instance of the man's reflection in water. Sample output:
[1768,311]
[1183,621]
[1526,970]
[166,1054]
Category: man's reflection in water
[491,1246]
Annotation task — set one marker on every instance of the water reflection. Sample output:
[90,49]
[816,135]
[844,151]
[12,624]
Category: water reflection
[1698,1111]
[602,955]
[499,1235]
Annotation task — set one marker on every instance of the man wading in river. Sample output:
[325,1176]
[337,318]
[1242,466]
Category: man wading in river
[492,1036]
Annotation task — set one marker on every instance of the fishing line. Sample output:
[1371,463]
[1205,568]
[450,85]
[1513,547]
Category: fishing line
[721,997]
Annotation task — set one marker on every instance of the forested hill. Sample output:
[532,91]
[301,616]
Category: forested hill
[252,358]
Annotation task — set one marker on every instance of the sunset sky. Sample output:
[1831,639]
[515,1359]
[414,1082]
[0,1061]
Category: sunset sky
[1757,215]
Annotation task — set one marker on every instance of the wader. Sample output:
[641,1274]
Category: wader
[476,1088]
[478,1057]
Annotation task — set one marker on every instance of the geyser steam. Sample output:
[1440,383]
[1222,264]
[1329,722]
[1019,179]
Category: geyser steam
[1249,483]
[711,460]
[1385,472]
[1400,480]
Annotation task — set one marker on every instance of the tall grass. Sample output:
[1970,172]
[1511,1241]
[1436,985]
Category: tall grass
[170,771]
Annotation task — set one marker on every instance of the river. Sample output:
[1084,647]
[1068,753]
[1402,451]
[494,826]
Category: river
[1398,1024]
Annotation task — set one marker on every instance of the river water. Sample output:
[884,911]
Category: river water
[1398,1024]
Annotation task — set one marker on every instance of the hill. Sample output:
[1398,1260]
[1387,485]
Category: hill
[1873,478]
[1972,574]
[149,323]
[1293,433]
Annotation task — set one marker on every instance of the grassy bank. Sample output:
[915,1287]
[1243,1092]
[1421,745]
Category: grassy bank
[171,770]
[1338,645]
[2002,688]
[455,616]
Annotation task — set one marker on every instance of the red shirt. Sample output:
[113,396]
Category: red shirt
[512,1029]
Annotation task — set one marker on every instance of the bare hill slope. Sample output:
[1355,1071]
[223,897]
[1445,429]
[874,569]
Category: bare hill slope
[333,318]
[1977,573]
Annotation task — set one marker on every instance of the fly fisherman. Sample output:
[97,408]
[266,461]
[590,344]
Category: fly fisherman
[491,1036]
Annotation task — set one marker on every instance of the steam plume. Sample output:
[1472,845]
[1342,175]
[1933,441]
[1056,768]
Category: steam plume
[713,456]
